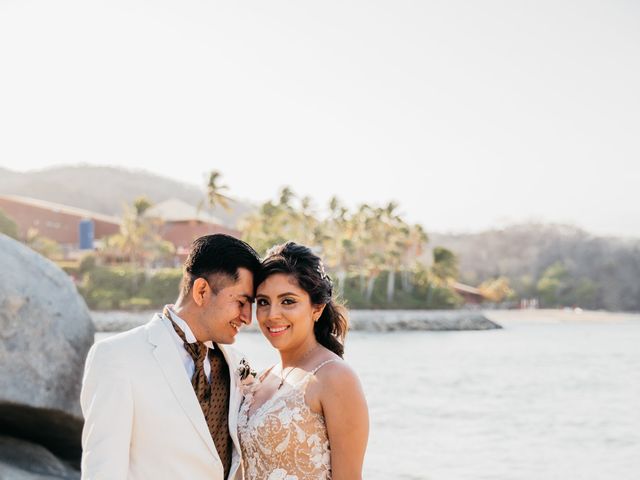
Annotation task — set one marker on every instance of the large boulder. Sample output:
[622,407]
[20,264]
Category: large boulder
[21,460]
[46,332]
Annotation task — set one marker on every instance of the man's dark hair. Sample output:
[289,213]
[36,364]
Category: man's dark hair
[217,255]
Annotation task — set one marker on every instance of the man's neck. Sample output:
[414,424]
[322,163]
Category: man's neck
[185,312]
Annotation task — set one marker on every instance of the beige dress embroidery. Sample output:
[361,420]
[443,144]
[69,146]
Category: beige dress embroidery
[283,439]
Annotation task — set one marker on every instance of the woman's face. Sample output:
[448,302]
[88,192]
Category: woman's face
[285,313]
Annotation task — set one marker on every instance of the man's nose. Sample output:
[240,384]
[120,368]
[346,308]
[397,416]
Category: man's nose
[245,314]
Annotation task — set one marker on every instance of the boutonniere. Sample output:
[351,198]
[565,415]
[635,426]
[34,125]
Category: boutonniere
[245,373]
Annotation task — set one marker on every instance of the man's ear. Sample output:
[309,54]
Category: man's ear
[317,310]
[199,291]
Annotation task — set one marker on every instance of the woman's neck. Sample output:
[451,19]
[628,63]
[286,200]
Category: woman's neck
[296,356]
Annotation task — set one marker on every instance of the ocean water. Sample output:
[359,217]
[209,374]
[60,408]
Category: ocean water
[537,400]
[540,399]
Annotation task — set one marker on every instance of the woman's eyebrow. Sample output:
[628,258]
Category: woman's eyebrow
[287,294]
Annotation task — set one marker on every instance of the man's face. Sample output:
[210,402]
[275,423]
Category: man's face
[223,314]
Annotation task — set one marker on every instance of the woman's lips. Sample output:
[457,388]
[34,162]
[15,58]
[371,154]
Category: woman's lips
[279,330]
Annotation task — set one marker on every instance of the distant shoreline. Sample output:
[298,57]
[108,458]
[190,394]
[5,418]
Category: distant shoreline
[406,320]
[559,315]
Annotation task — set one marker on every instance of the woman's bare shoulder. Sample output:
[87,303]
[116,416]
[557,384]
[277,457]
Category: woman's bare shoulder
[335,373]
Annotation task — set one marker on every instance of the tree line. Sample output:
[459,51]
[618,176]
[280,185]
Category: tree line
[560,265]
[375,258]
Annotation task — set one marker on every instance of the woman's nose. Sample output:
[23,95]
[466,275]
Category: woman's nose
[274,312]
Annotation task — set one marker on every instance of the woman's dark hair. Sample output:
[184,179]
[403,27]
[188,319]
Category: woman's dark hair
[306,267]
[217,255]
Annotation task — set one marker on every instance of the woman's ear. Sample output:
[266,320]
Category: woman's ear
[199,291]
[317,310]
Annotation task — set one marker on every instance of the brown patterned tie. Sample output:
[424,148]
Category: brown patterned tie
[213,396]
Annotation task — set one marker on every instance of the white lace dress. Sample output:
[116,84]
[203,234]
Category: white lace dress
[283,439]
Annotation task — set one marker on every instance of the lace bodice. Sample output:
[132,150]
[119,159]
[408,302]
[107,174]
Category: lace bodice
[284,439]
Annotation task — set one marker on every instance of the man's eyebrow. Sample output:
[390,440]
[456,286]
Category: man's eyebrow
[249,298]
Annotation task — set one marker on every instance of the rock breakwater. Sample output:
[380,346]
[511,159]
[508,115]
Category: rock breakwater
[360,320]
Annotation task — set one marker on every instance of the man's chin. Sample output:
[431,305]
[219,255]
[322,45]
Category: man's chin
[228,340]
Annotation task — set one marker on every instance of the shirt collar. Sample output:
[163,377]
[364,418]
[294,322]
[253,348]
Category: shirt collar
[184,326]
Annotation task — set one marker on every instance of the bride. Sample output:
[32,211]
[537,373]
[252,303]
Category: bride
[306,417]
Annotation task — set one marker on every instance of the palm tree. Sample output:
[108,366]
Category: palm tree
[133,231]
[216,191]
[336,237]
[140,206]
[286,195]
[277,222]
[365,242]
[445,265]
[443,271]
[305,223]
[139,239]
[394,232]
[368,246]
[377,247]
[262,229]
[413,248]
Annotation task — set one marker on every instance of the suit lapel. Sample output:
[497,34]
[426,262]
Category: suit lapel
[170,363]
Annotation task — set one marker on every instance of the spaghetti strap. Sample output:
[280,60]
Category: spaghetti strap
[313,372]
[266,372]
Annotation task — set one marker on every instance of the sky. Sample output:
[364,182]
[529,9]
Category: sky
[470,115]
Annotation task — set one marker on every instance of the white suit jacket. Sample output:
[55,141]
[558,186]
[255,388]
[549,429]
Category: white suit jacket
[142,417]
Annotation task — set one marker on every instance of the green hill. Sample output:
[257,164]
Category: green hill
[107,189]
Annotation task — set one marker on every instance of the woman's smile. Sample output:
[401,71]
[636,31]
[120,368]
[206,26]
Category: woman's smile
[275,330]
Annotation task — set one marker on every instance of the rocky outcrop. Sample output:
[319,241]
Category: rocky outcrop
[119,320]
[428,320]
[21,460]
[46,332]
[366,320]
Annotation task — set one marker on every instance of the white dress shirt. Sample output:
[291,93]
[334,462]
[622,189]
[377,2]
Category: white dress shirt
[188,362]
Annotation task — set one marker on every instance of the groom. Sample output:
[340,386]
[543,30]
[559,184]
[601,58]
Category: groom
[161,400]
